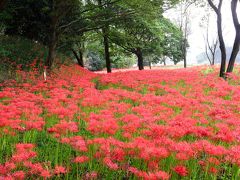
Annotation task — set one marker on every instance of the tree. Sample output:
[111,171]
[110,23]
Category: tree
[40,21]
[105,33]
[237,37]
[183,23]
[158,39]
[100,16]
[236,44]
[135,37]
[210,50]
[61,24]
[26,18]
[123,11]
[217,10]
[173,43]
[58,10]
[79,55]
[210,47]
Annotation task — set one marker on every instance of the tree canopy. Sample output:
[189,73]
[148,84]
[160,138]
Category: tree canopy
[133,27]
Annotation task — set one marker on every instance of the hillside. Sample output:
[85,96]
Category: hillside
[159,124]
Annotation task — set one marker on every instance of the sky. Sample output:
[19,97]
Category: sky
[196,36]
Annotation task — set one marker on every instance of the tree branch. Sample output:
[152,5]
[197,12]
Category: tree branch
[213,6]
[84,11]
[234,14]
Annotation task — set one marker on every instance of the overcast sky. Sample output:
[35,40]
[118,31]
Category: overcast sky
[196,37]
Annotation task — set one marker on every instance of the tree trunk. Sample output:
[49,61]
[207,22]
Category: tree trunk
[222,45]
[105,31]
[52,45]
[237,38]
[185,46]
[213,60]
[150,64]
[185,59]
[2,4]
[79,57]
[164,62]
[234,53]
[106,49]
[220,35]
[214,52]
[140,59]
[184,51]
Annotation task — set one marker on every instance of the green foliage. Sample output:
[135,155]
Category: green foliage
[26,18]
[21,50]
[17,52]
[120,62]
[173,42]
[78,25]
[95,62]
[157,39]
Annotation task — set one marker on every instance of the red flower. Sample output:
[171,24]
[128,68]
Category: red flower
[91,175]
[60,170]
[107,161]
[81,159]
[19,175]
[181,170]
[45,174]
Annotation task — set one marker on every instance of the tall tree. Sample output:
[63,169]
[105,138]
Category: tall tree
[211,50]
[183,22]
[135,37]
[105,33]
[40,21]
[236,44]
[161,38]
[211,46]
[50,21]
[217,10]
[58,10]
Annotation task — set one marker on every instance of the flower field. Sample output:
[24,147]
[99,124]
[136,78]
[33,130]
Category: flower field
[159,124]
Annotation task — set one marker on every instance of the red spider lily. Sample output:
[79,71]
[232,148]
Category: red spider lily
[108,162]
[63,127]
[77,142]
[155,117]
[45,174]
[20,175]
[60,170]
[91,175]
[181,170]
[81,159]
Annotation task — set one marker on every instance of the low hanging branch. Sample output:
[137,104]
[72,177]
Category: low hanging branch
[85,11]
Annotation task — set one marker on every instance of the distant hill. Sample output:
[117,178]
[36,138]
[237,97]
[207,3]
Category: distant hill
[202,58]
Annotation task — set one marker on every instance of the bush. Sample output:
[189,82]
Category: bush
[19,53]
[95,62]
[120,62]
[21,50]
